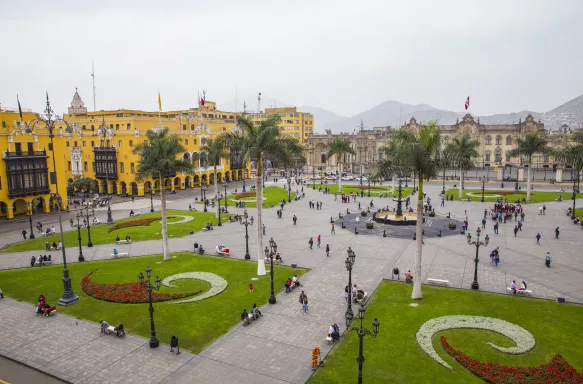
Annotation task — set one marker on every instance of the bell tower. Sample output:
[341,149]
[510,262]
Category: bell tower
[77,105]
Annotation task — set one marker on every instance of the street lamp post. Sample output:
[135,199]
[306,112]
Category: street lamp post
[29,208]
[477,243]
[349,262]
[400,190]
[151,200]
[483,187]
[574,198]
[246,224]
[226,203]
[104,131]
[87,216]
[48,120]
[362,332]
[219,209]
[154,342]
[270,254]
[289,189]
[204,198]
[79,217]
[369,185]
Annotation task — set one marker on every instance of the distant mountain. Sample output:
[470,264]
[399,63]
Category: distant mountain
[322,117]
[570,113]
[251,104]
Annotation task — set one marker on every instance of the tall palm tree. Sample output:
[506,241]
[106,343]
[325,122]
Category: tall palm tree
[531,144]
[340,147]
[160,155]
[213,152]
[257,142]
[418,151]
[461,153]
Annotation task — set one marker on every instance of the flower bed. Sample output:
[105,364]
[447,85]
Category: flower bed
[127,293]
[218,284]
[240,196]
[557,371]
[135,223]
[505,193]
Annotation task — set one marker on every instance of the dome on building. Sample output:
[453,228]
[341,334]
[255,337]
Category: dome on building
[77,105]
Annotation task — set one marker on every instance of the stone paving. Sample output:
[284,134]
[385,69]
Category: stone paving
[276,349]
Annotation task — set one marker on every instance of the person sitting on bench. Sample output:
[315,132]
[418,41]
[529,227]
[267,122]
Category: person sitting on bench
[117,239]
[209,227]
[245,317]
[295,281]
[32,261]
[47,246]
[334,332]
[522,286]
[201,250]
[513,287]
[115,252]
[278,257]
[131,213]
[60,245]
[128,239]
[104,326]
[255,310]
[54,245]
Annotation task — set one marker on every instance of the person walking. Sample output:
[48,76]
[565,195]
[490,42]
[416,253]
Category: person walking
[319,240]
[327,250]
[346,293]
[515,230]
[484,223]
[295,219]
[250,288]
[548,260]
[311,242]
[442,202]
[520,226]
[24,233]
[538,236]
[263,229]
[544,209]
[332,231]
[495,228]
[557,233]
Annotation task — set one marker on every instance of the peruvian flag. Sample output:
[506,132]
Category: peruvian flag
[202,100]
[467,103]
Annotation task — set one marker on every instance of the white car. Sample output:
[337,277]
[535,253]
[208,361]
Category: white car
[330,177]
[347,178]
[358,178]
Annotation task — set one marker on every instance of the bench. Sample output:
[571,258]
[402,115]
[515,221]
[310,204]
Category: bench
[136,214]
[268,260]
[329,339]
[250,318]
[438,281]
[525,292]
[45,234]
[41,263]
[123,241]
[120,254]
[357,300]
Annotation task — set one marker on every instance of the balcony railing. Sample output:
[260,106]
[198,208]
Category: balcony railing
[25,154]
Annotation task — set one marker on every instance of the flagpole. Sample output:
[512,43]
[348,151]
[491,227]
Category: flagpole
[159,108]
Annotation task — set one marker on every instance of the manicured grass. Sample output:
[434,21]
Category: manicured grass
[395,356]
[272,196]
[99,234]
[374,190]
[197,324]
[535,196]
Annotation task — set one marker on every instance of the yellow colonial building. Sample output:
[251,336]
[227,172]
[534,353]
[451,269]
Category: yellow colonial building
[100,146]
[293,123]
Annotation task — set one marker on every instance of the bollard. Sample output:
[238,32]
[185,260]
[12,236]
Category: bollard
[384,233]
[331,220]
[355,231]
[415,236]
[439,234]
[174,344]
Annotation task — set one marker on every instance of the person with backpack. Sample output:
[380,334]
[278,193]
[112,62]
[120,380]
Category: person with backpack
[327,249]
[548,260]
[311,242]
[557,233]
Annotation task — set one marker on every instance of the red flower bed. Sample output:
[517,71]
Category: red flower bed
[135,223]
[557,371]
[246,194]
[505,193]
[365,188]
[126,293]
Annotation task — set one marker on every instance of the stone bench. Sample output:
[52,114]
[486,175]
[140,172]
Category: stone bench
[120,255]
[123,241]
[362,299]
[250,318]
[45,234]
[523,292]
[438,281]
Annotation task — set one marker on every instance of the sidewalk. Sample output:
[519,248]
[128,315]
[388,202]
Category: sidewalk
[276,349]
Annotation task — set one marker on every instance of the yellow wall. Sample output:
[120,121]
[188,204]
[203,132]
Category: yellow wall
[293,123]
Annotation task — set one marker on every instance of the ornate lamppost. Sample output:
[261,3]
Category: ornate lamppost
[483,187]
[204,198]
[362,332]
[572,212]
[270,254]
[289,189]
[87,216]
[349,262]
[477,243]
[105,131]
[48,120]
[29,209]
[246,224]
[400,190]
[368,179]
[219,209]
[151,199]
[79,218]
[154,342]
[226,203]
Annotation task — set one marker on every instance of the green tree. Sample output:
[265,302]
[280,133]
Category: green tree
[213,152]
[571,154]
[461,153]
[418,151]
[531,144]
[340,147]
[256,143]
[160,155]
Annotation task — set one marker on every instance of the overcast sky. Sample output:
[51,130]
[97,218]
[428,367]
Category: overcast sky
[344,56]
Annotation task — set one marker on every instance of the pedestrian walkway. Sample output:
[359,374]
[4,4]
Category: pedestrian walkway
[276,349]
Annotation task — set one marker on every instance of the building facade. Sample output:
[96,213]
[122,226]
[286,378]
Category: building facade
[293,123]
[100,147]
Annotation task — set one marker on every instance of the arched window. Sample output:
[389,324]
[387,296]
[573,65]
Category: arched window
[498,140]
[498,153]
[323,158]
[488,155]
[446,140]
[508,140]
[488,140]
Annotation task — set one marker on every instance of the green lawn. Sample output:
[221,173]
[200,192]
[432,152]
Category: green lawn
[271,197]
[374,190]
[99,234]
[395,356]
[196,324]
[535,196]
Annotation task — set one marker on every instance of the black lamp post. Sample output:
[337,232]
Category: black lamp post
[572,213]
[104,131]
[362,332]
[414,183]
[349,262]
[483,187]
[204,198]
[48,120]
[443,187]
[154,342]
[246,224]
[400,190]
[244,190]
[226,203]
[219,209]
[79,217]
[369,185]
[477,243]
[87,216]
[270,254]
[29,208]
[289,189]
[151,200]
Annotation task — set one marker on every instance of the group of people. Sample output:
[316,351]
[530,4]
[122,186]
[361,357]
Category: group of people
[292,283]
[43,307]
[54,246]
[315,204]
[255,313]
[128,238]
[521,288]
[41,259]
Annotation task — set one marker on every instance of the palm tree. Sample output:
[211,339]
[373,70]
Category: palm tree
[461,153]
[340,147]
[213,151]
[257,142]
[419,153]
[161,155]
[531,144]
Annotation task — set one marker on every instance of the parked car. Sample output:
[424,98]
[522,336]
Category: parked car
[358,178]
[348,178]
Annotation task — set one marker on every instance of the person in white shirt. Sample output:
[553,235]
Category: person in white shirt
[513,287]
[523,286]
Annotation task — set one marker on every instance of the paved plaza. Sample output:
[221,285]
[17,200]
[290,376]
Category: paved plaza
[277,348]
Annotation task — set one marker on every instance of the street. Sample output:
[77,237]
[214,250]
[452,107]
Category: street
[15,373]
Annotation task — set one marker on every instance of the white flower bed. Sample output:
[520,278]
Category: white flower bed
[523,339]
[218,284]
[185,219]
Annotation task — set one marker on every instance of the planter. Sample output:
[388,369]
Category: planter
[432,214]
[452,226]
[363,213]
[369,225]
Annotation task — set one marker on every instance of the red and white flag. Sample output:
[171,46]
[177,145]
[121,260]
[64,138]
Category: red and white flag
[202,100]
[467,103]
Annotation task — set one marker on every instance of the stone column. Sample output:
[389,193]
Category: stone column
[499,171]
[46,205]
[559,175]
[521,174]
[10,212]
